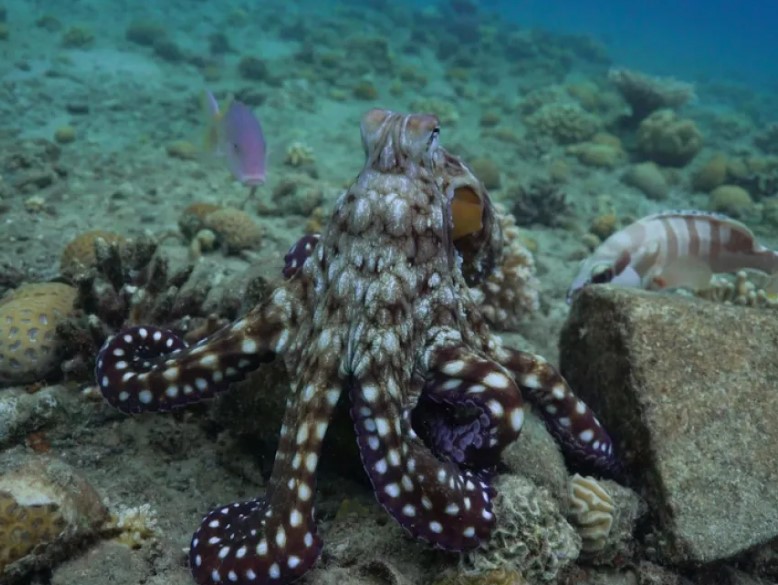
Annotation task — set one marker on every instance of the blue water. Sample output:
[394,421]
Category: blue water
[724,40]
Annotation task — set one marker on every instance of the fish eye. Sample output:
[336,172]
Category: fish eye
[235,147]
[602,274]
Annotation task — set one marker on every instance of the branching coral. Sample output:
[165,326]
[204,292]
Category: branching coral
[746,288]
[133,527]
[646,94]
[130,283]
[511,291]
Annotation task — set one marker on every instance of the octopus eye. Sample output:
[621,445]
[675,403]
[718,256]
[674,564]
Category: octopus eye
[467,211]
[602,274]
[433,141]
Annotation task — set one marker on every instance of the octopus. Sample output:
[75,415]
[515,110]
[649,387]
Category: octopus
[378,307]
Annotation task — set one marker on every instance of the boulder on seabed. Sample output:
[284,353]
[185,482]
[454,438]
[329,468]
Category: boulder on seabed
[688,389]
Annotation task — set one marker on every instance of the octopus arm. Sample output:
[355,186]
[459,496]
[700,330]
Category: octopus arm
[585,442]
[147,369]
[470,408]
[273,539]
[434,500]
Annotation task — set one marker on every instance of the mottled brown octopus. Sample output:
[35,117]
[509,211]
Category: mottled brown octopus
[378,307]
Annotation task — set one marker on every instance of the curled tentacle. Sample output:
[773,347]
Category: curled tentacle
[584,440]
[433,500]
[299,253]
[147,369]
[470,409]
[273,539]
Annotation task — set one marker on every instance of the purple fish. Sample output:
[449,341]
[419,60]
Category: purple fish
[236,135]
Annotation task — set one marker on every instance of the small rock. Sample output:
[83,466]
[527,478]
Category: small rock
[78,108]
[687,388]
[65,134]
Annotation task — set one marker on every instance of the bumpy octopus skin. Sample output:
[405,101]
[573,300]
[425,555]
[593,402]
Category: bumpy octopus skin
[378,307]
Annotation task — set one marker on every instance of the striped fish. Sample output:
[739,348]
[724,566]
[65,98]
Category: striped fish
[674,249]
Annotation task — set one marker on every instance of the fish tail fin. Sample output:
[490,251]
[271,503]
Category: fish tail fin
[212,116]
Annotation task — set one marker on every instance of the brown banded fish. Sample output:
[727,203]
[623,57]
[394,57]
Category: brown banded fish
[674,249]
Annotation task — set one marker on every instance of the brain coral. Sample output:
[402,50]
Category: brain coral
[235,230]
[666,139]
[531,535]
[29,315]
[592,510]
[565,123]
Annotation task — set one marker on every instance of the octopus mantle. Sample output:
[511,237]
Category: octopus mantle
[379,308]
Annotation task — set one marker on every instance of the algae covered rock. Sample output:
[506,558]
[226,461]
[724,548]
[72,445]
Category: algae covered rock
[731,200]
[688,387]
[46,511]
[648,178]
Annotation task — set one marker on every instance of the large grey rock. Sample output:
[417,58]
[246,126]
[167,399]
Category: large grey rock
[689,391]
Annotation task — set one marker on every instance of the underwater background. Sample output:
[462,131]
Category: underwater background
[159,160]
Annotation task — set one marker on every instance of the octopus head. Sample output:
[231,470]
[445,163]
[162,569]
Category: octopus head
[400,142]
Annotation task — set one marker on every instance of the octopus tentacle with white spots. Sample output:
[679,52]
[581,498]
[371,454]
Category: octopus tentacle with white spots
[378,308]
